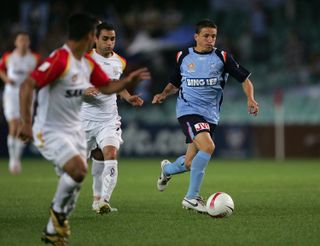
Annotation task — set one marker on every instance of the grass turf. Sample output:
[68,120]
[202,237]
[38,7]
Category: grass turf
[275,204]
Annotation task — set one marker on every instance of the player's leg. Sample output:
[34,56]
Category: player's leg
[109,140]
[68,152]
[96,172]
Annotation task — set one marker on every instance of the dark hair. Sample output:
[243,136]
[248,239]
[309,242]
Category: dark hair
[205,23]
[24,33]
[104,26]
[80,24]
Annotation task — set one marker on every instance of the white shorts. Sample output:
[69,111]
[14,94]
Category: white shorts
[60,146]
[11,103]
[101,134]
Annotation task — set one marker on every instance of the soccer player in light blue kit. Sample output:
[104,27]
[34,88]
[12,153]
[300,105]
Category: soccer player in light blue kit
[200,75]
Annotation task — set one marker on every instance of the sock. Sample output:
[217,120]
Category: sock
[10,144]
[64,193]
[96,171]
[18,149]
[70,206]
[198,166]
[109,178]
[175,167]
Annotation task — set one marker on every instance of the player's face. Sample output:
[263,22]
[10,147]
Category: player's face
[22,42]
[105,42]
[206,39]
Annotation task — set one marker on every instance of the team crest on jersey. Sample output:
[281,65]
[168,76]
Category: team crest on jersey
[191,67]
[202,126]
[74,78]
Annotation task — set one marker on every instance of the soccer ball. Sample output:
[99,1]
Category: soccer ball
[220,205]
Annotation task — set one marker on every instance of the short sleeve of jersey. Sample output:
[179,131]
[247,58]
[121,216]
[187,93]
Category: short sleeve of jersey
[3,61]
[51,68]
[98,76]
[175,76]
[235,69]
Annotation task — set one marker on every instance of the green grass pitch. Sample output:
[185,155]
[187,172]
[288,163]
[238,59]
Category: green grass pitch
[275,204]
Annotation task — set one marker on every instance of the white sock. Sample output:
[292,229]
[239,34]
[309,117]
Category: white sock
[96,171]
[109,178]
[70,206]
[18,149]
[64,193]
[10,144]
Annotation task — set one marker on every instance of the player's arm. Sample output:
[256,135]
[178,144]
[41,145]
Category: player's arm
[26,96]
[242,75]
[134,100]
[170,89]
[5,78]
[107,86]
[3,68]
[253,106]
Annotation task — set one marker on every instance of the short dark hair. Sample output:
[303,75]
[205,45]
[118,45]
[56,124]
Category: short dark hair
[205,23]
[80,24]
[24,33]
[104,26]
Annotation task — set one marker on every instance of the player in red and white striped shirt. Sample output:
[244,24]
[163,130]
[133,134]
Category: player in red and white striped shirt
[57,130]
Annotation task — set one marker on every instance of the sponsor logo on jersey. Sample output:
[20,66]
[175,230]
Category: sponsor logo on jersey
[201,82]
[202,126]
[74,78]
[73,93]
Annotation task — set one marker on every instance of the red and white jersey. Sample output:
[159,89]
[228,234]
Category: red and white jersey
[104,107]
[18,67]
[62,80]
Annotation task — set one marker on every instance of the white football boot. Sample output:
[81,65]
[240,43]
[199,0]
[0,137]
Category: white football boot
[197,204]
[163,180]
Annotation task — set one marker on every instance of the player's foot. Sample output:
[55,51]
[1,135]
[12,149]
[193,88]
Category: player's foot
[55,239]
[163,180]
[197,204]
[95,206]
[104,207]
[60,223]
[15,168]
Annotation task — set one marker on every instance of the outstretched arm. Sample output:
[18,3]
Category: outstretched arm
[253,106]
[118,85]
[167,91]
[134,100]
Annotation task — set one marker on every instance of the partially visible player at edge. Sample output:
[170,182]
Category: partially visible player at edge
[200,75]
[15,66]
[57,131]
[101,120]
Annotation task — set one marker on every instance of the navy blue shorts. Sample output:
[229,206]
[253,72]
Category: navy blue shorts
[194,124]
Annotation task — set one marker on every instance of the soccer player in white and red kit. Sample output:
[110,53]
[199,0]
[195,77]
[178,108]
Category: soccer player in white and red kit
[57,131]
[15,66]
[101,120]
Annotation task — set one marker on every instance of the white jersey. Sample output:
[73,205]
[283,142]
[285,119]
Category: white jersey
[18,67]
[62,79]
[104,107]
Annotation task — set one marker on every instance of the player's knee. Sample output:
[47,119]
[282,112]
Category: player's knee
[209,148]
[80,173]
[110,154]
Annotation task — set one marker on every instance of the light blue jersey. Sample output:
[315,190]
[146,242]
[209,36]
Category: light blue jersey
[201,78]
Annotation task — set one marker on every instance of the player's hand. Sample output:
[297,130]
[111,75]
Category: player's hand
[139,75]
[135,100]
[25,132]
[158,98]
[253,107]
[91,91]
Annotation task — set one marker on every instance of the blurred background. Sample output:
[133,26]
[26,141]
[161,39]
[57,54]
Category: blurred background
[277,40]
